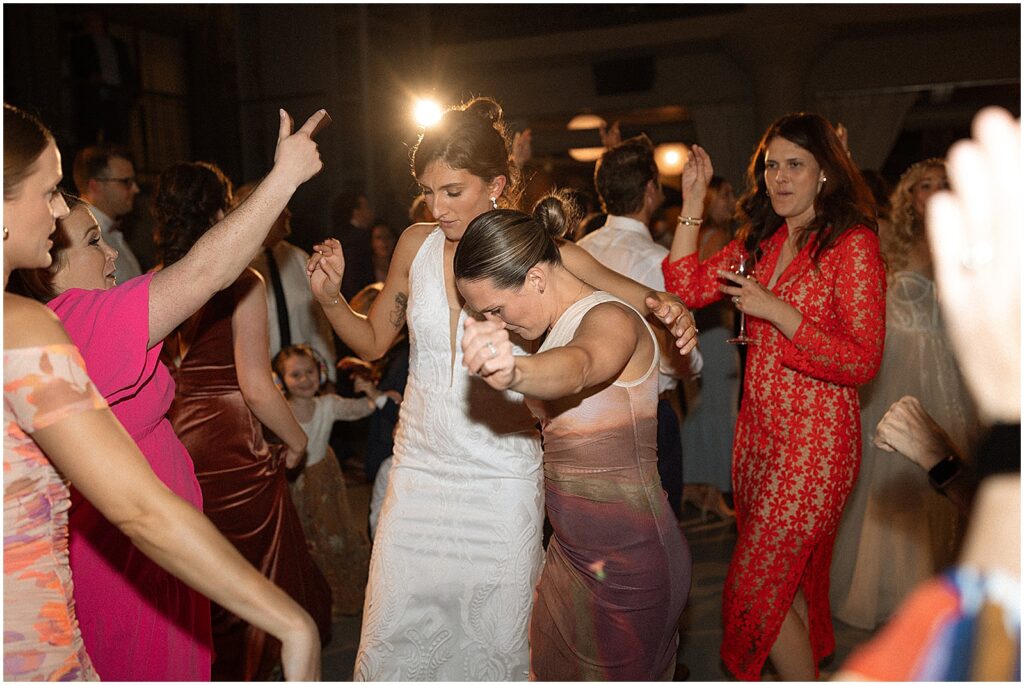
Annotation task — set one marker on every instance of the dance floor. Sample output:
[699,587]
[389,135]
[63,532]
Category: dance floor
[701,626]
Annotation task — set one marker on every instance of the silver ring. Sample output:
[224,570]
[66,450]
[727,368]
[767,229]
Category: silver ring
[493,349]
[735,299]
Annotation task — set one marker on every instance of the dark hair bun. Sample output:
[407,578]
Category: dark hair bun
[557,213]
[484,107]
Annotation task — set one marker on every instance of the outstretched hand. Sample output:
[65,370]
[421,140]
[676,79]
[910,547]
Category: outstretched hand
[297,157]
[975,235]
[325,268]
[487,352]
[697,174]
[670,310]
[908,429]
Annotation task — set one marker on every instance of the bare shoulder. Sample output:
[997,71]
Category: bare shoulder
[409,244]
[28,323]
[412,237]
[609,316]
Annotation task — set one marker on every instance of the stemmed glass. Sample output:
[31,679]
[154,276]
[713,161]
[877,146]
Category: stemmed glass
[743,264]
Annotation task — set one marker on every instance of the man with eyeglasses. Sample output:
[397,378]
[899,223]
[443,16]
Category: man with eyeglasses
[105,178]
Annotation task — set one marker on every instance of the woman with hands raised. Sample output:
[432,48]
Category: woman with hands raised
[50,404]
[815,307]
[464,501]
[119,329]
[616,556]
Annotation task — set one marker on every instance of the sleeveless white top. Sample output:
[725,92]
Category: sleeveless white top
[458,547]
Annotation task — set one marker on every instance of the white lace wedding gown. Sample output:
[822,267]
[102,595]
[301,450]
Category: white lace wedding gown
[458,547]
[896,531]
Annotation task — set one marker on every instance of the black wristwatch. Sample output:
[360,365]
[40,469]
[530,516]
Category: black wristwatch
[943,473]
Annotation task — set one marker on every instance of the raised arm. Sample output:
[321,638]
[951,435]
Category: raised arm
[369,336]
[110,472]
[219,256]
[252,364]
[696,176]
[591,358]
[665,307]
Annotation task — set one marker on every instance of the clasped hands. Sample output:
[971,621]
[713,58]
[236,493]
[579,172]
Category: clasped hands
[487,352]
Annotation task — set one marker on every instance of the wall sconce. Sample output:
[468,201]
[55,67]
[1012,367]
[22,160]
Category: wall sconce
[586,154]
[585,122]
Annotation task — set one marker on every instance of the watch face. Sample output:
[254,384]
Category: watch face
[943,472]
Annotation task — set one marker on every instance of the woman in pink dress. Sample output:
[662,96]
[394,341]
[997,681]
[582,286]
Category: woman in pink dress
[58,431]
[139,622]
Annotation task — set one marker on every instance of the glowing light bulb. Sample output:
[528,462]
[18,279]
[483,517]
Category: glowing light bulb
[426,112]
[671,158]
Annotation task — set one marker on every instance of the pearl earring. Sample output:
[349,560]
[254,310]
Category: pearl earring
[494,203]
[6,233]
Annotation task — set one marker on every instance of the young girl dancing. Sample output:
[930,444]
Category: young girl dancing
[339,546]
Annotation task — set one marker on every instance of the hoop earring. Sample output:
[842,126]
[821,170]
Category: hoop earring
[494,204]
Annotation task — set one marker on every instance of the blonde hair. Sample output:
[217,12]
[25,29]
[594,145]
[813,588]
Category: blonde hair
[905,227]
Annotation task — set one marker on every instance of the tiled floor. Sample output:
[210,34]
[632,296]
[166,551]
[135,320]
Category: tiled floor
[701,626]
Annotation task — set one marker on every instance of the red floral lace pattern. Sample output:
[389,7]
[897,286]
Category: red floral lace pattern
[797,445]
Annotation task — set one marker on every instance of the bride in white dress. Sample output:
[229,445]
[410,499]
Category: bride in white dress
[458,546]
[896,529]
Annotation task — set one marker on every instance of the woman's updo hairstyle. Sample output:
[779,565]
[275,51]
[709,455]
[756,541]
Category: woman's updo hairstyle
[503,244]
[185,204]
[25,138]
[473,137]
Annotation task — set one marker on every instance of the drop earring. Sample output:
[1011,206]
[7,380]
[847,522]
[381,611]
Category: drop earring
[494,203]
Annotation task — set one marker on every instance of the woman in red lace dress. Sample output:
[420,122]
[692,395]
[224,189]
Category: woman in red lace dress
[815,305]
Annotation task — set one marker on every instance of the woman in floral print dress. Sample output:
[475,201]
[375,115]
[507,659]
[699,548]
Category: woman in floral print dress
[815,305]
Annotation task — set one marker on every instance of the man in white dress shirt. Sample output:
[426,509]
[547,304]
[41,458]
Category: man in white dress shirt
[105,178]
[298,319]
[626,178]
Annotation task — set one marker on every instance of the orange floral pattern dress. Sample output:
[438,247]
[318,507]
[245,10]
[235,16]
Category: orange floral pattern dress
[42,386]
[797,448]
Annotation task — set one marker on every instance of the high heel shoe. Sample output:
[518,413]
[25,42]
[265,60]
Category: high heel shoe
[707,499]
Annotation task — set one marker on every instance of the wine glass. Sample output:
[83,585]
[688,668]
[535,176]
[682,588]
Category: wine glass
[743,264]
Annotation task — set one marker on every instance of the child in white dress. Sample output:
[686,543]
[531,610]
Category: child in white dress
[338,542]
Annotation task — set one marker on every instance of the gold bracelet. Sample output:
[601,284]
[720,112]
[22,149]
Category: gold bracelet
[696,220]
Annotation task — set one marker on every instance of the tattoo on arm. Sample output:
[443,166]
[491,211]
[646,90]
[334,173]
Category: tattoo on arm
[397,315]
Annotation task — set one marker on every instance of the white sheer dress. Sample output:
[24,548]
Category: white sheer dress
[457,551]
